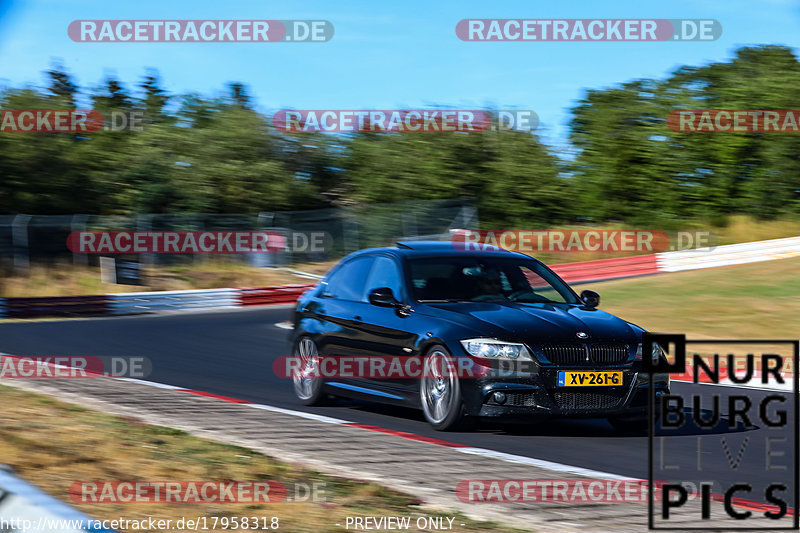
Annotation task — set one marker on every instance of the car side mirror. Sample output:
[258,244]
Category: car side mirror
[383,297]
[590,298]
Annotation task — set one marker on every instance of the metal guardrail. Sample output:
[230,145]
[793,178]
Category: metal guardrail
[604,269]
[142,302]
[68,306]
[272,295]
[730,254]
[680,260]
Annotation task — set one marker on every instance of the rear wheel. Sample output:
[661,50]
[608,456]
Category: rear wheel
[440,392]
[306,380]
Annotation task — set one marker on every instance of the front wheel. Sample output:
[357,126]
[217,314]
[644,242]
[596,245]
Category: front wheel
[440,391]
[306,380]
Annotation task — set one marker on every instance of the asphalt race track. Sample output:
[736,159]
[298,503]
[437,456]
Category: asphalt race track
[231,354]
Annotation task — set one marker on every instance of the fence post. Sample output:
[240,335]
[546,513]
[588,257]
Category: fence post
[79,224]
[145,223]
[350,231]
[20,244]
[469,216]
[409,221]
[264,221]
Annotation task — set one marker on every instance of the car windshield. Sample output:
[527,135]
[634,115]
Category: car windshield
[486,279]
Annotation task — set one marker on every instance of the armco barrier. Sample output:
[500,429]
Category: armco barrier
[272,295]
[142,302]
[56,306]
[731,254]
[605,269]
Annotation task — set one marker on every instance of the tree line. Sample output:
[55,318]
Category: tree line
[218,154]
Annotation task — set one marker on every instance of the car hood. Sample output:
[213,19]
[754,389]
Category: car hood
[536,322]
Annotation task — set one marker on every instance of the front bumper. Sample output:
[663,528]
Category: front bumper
[537,395]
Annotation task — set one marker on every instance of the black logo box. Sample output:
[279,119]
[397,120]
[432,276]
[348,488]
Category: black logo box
[678,366]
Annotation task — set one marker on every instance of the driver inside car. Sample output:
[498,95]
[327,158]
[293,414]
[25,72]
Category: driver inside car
[489,287]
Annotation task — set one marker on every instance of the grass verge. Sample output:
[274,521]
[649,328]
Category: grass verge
[759,300]
[53,444]
[69,280]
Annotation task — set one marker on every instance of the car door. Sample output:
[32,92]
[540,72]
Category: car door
[341,306]
[385,331]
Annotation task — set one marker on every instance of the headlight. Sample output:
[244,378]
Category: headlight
[658,353]
[494,349]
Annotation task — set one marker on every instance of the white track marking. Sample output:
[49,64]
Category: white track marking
[787,386]
[152,383]
[301,414]
[540,463]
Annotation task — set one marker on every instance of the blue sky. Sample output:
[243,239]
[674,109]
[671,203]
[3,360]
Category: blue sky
[384,54]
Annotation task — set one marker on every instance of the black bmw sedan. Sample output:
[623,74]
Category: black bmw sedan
[466,335]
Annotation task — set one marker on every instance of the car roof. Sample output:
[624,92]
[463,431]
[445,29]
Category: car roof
[439,248]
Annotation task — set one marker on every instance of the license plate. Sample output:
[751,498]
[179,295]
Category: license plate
[590,379]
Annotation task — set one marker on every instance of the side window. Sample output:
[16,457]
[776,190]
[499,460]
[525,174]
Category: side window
[347,283]
[504,282]
[384,273]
